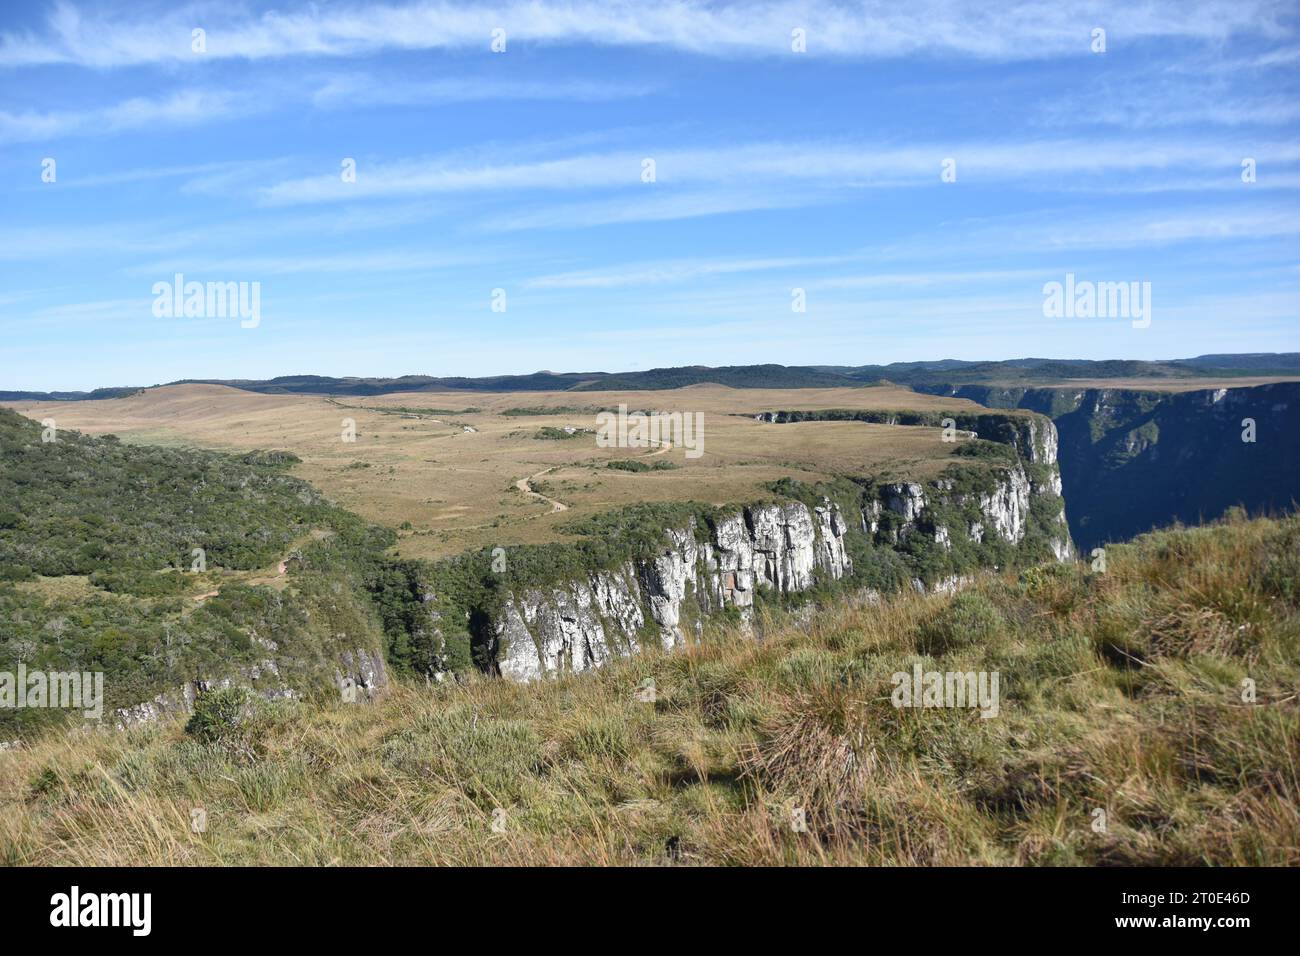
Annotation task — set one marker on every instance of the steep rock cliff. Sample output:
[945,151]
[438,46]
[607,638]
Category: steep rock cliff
[783,547]
[649,575]
[1134,459]
[778,548]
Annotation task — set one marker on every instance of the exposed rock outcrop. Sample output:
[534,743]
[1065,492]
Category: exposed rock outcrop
[964,520]
[1134,459]
[358,668]
[783,547]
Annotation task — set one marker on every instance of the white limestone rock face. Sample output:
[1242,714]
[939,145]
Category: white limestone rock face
[582,624]
[906,499]
[949,585]
[871,517]
[768,538]
[179,702]
[667,580]
[365,669]
[786,547]
[545,633]
[618,601]
[1043,441]
[517,654]
[565,629]
[831,555]
[731,563]
[1007,507]
[800,548]
[429,629]
[1003,511]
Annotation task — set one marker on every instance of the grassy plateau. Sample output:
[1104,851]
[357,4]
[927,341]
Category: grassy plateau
[414,467]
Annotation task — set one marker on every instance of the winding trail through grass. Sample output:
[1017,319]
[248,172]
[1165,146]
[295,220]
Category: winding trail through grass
[526,486]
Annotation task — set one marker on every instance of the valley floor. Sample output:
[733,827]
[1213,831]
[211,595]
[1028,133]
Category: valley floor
[1149,713]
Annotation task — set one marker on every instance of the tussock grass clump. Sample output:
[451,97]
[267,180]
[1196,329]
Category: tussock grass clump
[1159,697]
[231,719]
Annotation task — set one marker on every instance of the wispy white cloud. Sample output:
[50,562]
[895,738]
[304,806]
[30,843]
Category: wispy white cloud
[1269,179]
[1222,223]
[63,242]
[1051,236]
[391,260]
[770,164]
[1024,30]
[12,298]
[655,207]
[1067,236]
[195,106]
[678,271]
[225,178]
[125,238]
[912,280]
[183,108]
[352,90]
[1165,98]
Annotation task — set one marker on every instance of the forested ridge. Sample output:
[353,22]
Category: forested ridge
[156,566]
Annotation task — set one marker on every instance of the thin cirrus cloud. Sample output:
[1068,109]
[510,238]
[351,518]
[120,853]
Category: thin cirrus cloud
[192,107]
[1051,234]
[1016,31]
[681,271]
[660,207]
[1146,101]
[183,108]
[846,165]
[390,260]
[1051,231]
[349,91]
[772,172]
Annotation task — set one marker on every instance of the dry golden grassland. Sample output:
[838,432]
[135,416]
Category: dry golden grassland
[458,489]
[1120,692]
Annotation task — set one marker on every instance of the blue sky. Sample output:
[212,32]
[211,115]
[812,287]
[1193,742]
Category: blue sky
[522,170]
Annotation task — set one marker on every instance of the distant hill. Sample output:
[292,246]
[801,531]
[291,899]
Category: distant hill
[67,396]
[321,384]
[1039,370]
[733,376]
[1025,371]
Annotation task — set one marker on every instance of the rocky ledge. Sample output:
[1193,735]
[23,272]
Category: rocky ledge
[783,548]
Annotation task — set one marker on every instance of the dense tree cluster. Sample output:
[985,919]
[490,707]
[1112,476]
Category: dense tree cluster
[128,518]
[80,505]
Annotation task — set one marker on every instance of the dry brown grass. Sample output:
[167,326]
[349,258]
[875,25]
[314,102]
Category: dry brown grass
[457,489]
[745,731]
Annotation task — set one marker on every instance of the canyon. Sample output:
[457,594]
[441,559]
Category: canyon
[1133,459]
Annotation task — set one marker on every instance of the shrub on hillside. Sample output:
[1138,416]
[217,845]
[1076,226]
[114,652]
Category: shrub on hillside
[631,464]
[230,719]
[971,618]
